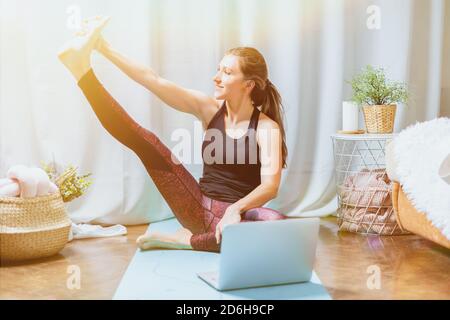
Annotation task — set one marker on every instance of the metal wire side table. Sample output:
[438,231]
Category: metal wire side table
[363,188]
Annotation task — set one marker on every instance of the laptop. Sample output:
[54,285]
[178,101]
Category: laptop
[265,253]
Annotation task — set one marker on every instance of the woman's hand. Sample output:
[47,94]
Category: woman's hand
[232,215]
[102,45]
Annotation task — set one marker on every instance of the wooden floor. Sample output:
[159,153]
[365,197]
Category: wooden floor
[102,263]
[410,268]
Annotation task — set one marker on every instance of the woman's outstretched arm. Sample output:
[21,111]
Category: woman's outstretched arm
[186,100]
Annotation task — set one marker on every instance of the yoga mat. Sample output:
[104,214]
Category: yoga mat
[172,275]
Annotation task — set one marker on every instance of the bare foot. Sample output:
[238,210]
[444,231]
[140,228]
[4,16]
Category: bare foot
[76,54]
[178,240]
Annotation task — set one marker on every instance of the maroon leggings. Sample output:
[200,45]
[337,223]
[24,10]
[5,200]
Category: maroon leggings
[194,210]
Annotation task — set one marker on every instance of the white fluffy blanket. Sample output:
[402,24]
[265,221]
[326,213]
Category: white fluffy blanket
[419,151]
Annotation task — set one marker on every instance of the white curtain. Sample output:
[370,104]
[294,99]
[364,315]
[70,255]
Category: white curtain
[312,48]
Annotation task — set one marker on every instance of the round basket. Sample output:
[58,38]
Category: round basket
[379,118]
[32,227]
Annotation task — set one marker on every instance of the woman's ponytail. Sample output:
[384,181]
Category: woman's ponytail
[273,108]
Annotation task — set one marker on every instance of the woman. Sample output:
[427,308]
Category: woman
[228,192]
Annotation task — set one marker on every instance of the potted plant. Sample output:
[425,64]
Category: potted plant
[378,98]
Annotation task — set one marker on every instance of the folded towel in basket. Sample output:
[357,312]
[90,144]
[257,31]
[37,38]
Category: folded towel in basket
[9,188]
[366,203]
[377,221]
[367,188]
[26,182]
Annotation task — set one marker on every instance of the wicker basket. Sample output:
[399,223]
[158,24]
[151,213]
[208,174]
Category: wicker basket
[379,118]
[32,228]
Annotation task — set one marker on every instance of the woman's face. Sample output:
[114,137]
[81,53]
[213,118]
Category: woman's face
[229,80]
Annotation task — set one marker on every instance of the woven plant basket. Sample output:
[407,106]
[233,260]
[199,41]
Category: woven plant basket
[32,227]
[379,118]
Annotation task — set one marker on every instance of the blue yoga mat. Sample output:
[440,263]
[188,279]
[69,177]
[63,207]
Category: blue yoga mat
[172,275]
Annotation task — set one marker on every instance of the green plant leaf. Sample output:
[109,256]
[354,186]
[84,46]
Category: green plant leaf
[372,88]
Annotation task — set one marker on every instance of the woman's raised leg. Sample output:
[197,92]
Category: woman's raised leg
[176,184]
[178,187]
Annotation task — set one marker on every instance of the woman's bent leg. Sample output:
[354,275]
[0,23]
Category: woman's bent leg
[262,214]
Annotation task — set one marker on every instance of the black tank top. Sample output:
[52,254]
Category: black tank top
[231,167]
